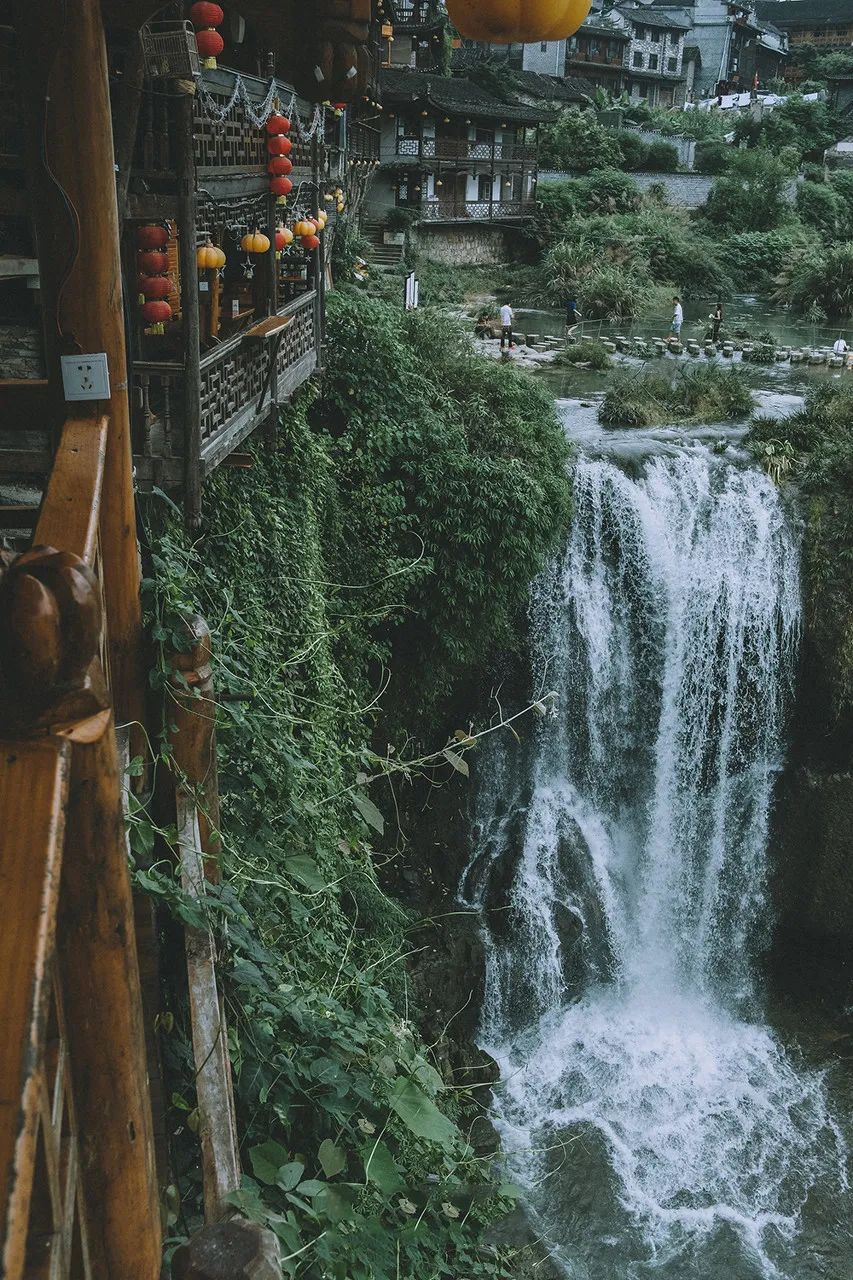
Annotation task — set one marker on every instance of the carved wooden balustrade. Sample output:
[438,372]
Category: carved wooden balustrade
[237,389]
[79,1196]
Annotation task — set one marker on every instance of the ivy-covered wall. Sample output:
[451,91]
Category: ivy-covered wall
[380,554]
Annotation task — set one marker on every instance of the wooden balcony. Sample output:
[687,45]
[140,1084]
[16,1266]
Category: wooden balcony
[238,391]
[362,141]
[475,210]
[456,149]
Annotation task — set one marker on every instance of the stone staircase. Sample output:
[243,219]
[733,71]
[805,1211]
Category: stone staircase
[381,255]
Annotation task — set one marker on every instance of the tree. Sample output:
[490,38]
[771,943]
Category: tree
[577,142]
[819,283]
[751,195]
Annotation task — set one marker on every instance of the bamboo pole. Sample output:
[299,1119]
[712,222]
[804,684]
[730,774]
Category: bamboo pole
[80,273]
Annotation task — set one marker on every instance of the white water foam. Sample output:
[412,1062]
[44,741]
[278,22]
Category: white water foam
[622,1001]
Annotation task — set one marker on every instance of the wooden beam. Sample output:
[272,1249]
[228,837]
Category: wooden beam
[72,502]
[33,785]
[187,215]
[80,275]
[103,1008]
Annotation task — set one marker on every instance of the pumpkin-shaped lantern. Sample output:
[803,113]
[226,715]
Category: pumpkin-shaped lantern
[255,242]
[311,242]
[280,166]
[279,146]
[517,21]
[209,257]
[281,186]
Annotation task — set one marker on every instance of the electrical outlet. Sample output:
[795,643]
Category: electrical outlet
[86,377]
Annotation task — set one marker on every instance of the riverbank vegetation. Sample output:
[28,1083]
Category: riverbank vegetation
[701,393]
[815,447]
[380,554]
[622,251]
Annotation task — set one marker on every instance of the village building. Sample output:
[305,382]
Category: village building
[451,153]
[737,50]
[637,50]
[826,24]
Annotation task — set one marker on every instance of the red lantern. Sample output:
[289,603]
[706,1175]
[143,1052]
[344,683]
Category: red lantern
[153,263]
[277,124]
[156,312]
[155,286]
[280,240]
[210,45]
[151,237]
[279,146]
[281,186]
[279,165]
[311,242]
[206,14]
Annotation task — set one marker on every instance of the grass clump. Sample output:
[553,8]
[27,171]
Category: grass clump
[651,398]
[587,352]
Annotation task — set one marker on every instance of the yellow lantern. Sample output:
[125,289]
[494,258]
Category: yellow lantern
[209,257]
[255,242]
[517,21]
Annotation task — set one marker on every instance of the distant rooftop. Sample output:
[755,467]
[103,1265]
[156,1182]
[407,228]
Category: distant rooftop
[456,95]
[650,16]
[811,14]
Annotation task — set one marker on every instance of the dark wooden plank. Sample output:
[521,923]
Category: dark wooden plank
[267,329]
[24,462]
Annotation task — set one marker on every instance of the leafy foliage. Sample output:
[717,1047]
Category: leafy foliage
[819,282]
[818,438]
[704,393]
[750,194]
[397,524]
[806,127]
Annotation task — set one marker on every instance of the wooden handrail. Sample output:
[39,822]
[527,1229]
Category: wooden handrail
[77,1179]
[71,507]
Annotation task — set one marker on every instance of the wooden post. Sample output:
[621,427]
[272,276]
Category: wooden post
[103,1008]
[320,262]
[187,213]
[81,283]
[194,742]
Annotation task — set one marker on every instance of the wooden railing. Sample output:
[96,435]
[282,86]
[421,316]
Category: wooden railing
[479,210]
[236,389]
[465,149]
[79,1193]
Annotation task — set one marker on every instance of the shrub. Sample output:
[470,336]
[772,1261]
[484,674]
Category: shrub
[755,258]
[400,218]
[635,152]
[588,352]
[609,191]
[821,206]
[578,142]
[807,127]
[662,157]
[750,194]
[704,393]
[712,156]
[819,282]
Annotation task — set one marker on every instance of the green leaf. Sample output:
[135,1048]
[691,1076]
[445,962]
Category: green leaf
[331,1158]
[369,812]
[289,1174]
[379,1168]
[266,1160]
[306,871]
[336,1202]
[311,1187]
[460,765]
[420,1114]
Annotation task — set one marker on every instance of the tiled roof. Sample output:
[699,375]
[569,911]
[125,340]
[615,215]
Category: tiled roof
[805,13]
[648,16]
[534,84]
[455,95]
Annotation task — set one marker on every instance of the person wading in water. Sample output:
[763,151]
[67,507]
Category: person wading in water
[507,318]
[717,321]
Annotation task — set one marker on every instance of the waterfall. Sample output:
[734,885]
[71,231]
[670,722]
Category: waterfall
[657,1124]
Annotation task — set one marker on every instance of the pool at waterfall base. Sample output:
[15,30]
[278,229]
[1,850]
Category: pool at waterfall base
[664,1112]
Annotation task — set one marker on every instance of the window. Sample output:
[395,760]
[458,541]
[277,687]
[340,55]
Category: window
[638,59]
[653,62]
[484,186]
[672,64]
[639,33]
[543,47]
[654,37]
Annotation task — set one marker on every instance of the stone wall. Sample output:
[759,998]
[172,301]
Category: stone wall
[686,189]
[813,843]
[460,246]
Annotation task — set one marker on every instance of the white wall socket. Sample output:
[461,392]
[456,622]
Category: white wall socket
[86,377]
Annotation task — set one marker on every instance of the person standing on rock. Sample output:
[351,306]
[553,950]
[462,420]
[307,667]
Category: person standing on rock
[677,318]
[572,314]
[507,317]
[717,321]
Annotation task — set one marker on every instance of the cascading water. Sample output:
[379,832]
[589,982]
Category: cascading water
[658,1126]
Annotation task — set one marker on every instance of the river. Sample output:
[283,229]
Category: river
[661,1118]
